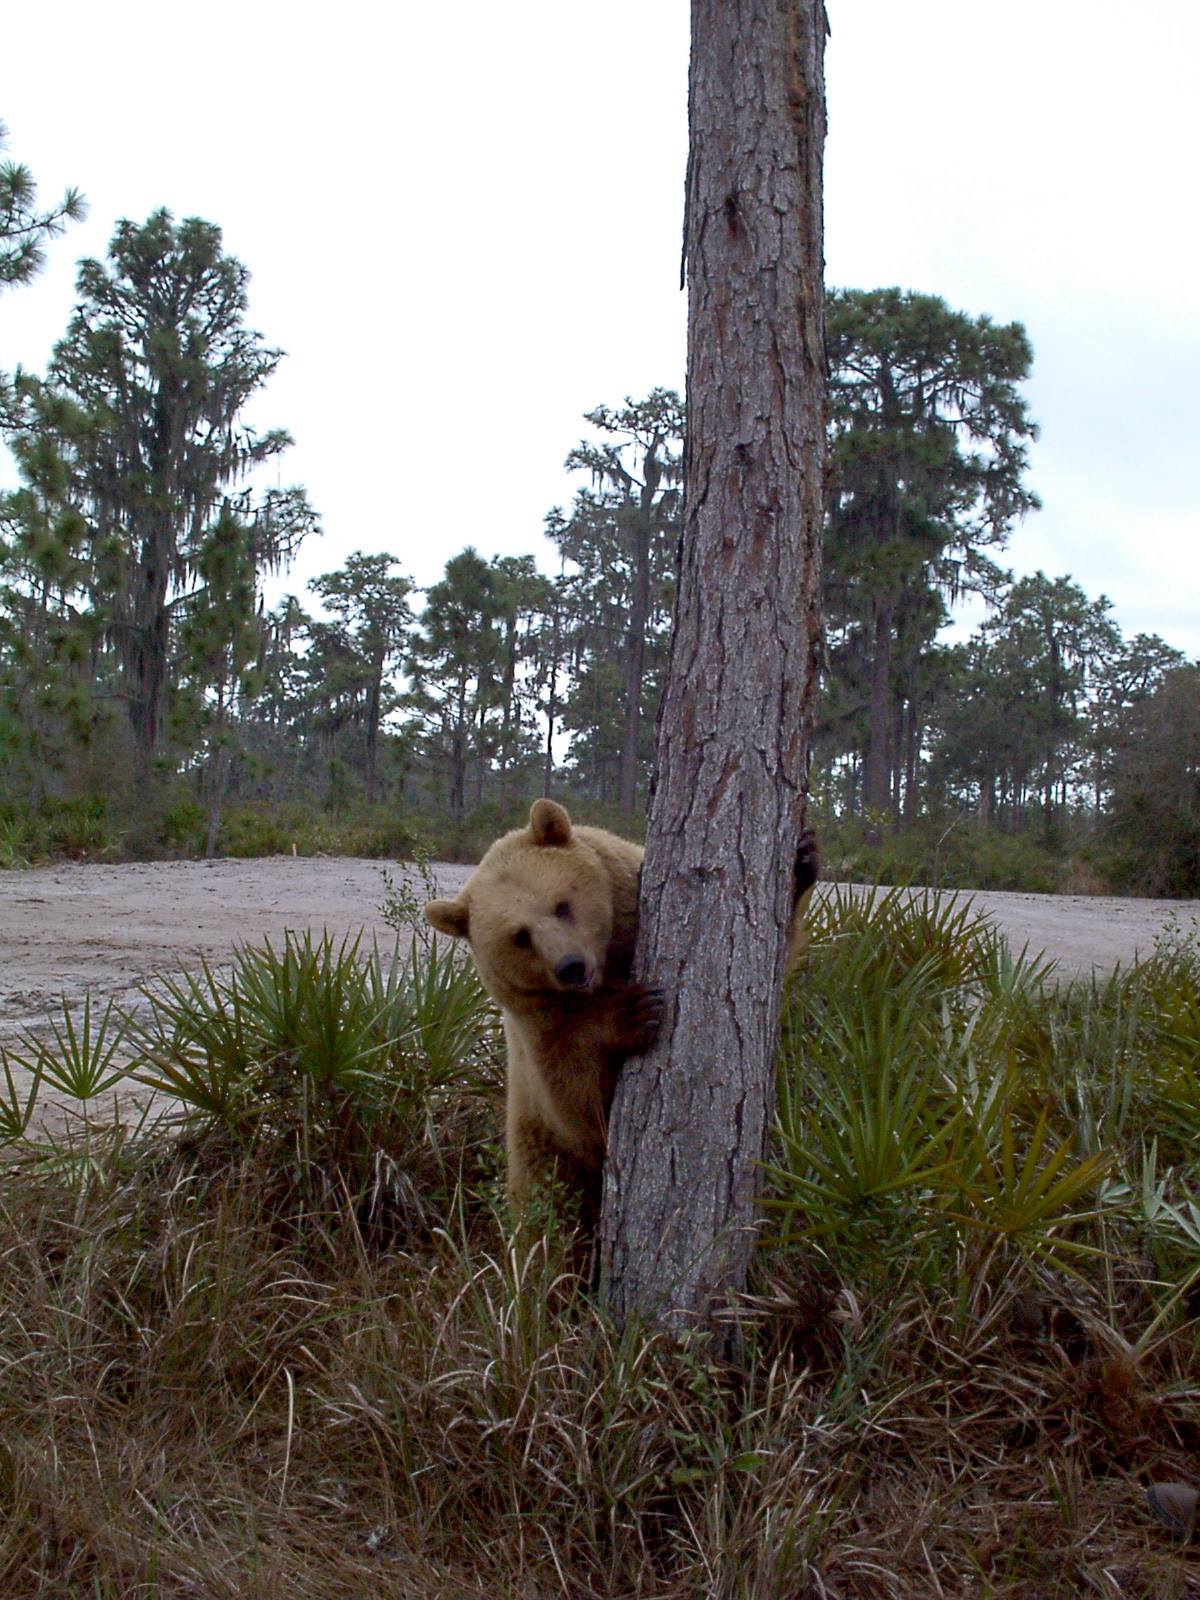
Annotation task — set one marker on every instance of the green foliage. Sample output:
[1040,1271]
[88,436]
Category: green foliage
[316,1049]
[941,1097]
[348,660]
[1030,725]
[248,830]
[134,542]
[953,851]
[24,229]
[82,1058]
[620,544]
[341,1071]
[170,822]
[1154,818]
[456,669]
[78,829]
[13,844]
[18,1100]
[180,829]
[1011,719]
[928,451]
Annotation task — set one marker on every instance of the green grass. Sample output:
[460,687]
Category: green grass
[77,829]
[277,1338]
[952,851]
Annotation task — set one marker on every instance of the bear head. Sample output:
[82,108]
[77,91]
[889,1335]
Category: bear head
[537,911]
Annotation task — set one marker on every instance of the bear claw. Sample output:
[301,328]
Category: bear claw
[808,863]
[644,1016]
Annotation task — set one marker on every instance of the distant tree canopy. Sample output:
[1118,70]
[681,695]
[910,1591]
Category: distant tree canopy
[1013,714]
[134,642]
[1155,812]
[370,603]
[621,540]
[133,550]
[928,434]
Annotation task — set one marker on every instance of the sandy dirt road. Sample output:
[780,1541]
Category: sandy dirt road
[68,929]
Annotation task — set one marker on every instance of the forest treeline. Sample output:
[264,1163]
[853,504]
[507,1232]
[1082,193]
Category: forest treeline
[149,697]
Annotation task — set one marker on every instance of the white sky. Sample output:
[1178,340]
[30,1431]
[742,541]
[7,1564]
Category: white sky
[463,224]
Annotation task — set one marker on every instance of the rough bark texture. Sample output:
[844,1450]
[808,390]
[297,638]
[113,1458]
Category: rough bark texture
[690,1119]
[642,531]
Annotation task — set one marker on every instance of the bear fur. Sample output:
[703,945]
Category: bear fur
[550,914]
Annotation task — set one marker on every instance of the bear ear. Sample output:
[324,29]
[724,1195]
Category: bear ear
[549,823]
[448,916]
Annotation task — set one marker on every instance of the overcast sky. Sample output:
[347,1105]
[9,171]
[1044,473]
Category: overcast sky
[463,224]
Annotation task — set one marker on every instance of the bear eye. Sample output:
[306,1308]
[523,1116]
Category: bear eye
[521,939]
[563,909]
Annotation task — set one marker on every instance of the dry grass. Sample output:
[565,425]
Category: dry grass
[232,1370]
[209,1393]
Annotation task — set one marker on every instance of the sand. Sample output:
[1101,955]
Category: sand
[69,929]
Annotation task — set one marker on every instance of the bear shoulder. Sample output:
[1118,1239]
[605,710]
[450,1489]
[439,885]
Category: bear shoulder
[621,860]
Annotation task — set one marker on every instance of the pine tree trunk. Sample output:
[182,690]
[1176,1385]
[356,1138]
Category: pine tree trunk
[374,714]
[690,1120]
[216,799]
[458,756]
[551,712]
[877,764]
[143,640]
[508,715]
[217,765]
[987,790]
[912,750]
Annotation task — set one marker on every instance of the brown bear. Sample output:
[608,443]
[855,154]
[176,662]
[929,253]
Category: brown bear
[551,916]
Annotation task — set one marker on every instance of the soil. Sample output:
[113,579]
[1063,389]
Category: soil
[69,929]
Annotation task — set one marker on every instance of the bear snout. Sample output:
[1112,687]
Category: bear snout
[572,972]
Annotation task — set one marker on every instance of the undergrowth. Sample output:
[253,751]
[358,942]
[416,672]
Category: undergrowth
[952,850]
[275,1338]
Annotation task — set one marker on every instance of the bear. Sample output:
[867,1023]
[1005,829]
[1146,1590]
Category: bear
[550,914]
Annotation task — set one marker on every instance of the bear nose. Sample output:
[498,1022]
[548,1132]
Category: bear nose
[571,971]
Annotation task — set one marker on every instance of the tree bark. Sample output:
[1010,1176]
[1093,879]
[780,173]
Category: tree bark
[690,1120]
[635,641]
[635,668]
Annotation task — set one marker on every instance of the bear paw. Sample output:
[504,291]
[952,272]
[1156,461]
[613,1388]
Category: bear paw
[808,864]
[643,1014]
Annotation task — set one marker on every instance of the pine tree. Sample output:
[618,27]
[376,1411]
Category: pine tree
[159,361]
[690,1120]
[456,668]
[371,605]
[621,537]
[929,437]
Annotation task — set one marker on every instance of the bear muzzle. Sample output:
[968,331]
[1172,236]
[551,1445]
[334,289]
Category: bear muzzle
[572,972]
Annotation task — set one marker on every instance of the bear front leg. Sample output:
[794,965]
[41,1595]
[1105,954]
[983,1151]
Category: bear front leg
[537,1158]
[541,1173]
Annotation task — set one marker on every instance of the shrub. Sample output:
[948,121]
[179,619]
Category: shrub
[77,828]
[954,852]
